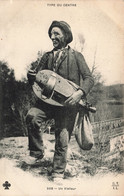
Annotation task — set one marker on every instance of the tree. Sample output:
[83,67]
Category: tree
[7,91]
[15,100]
[24,99]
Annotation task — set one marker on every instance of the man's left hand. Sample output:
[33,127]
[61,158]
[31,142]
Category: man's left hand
[75,98]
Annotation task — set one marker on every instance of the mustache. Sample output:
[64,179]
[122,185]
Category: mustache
[55,39]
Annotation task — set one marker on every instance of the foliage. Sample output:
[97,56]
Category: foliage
[7,94]
[23,100]
[16,100]
[7,85]
[115,91]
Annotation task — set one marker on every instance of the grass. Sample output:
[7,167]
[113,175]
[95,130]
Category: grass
[80,163]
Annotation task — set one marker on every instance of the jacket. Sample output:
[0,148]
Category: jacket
[72,66]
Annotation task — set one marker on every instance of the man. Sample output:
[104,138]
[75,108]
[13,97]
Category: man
[71,65]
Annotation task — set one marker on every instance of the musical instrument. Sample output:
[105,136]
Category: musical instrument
[55,90]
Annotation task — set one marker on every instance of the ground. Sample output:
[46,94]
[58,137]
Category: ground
[83,168]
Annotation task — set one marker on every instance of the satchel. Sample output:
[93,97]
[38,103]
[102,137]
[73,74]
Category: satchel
[83,131]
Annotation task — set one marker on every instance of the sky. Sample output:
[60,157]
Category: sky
[24,31]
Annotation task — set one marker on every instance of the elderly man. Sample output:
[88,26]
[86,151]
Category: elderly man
[71,65]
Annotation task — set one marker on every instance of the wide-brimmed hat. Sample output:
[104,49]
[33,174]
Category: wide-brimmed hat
[65,27]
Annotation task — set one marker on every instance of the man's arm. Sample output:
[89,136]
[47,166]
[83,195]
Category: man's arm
[86,79]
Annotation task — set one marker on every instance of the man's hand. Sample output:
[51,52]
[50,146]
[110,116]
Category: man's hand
[31,75]
[75,98]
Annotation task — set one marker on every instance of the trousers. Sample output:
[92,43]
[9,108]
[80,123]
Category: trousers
[64,121]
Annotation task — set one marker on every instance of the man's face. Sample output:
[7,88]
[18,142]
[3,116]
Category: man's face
[58,38]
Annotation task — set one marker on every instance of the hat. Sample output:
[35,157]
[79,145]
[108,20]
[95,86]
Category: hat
[64,26]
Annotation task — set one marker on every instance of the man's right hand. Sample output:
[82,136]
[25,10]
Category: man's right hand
[31,75]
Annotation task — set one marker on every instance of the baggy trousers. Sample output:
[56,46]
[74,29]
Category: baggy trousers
[64,122]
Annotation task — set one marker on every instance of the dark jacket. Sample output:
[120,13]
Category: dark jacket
[72,66]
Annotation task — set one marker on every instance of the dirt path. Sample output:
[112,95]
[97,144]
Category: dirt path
[29,180]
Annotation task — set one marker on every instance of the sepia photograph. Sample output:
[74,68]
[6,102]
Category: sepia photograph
[61,97]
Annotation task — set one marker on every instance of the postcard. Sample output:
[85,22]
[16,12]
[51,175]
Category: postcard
[57,59]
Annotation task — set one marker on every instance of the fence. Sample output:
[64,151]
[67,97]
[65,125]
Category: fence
[111,131]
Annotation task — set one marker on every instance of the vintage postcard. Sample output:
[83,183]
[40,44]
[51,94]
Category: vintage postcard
[61,97]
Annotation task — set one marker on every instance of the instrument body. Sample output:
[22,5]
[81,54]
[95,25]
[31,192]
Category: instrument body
[54,89]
